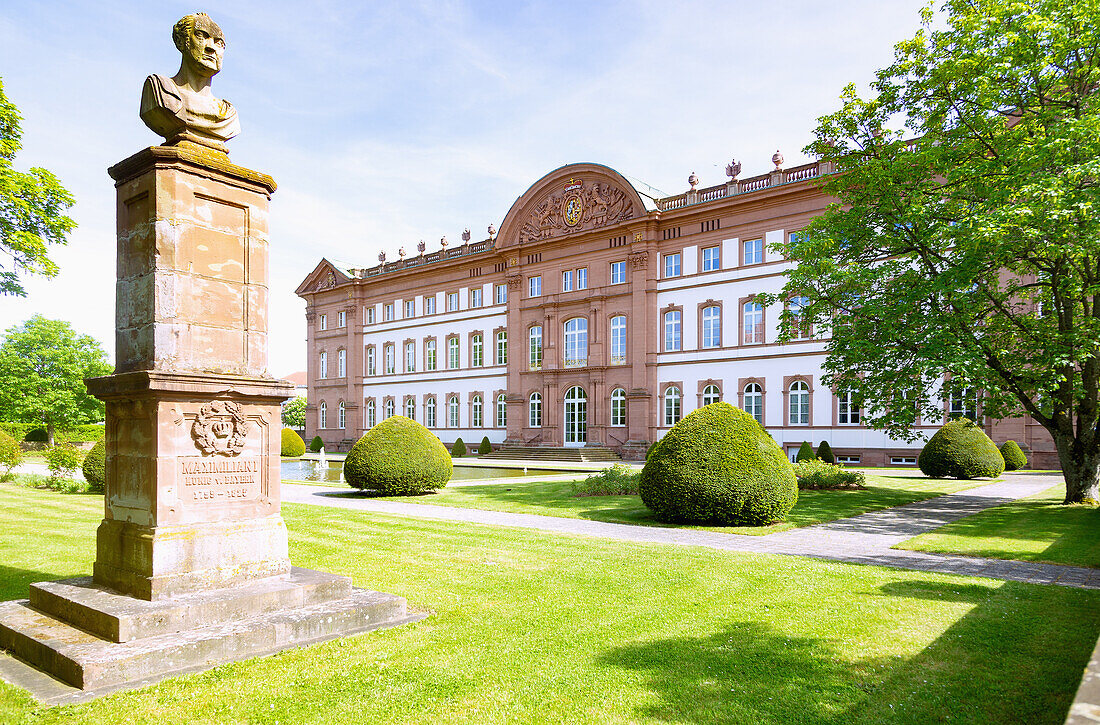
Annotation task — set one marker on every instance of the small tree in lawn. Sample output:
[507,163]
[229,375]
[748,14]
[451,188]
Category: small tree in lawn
[805,452]
[485,446]
[458,450]
[825,452]
[294,413]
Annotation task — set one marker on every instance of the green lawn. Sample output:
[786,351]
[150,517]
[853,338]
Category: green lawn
[1037,528]
[527,627]
[813,507]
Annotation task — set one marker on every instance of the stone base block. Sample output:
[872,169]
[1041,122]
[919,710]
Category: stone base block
[187,634]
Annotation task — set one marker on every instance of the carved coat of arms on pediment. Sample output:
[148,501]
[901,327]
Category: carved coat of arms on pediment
[220,428]
[577,206]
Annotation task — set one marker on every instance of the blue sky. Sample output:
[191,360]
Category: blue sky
[389,122]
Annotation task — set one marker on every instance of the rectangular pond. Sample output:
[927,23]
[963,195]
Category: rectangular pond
[332,472]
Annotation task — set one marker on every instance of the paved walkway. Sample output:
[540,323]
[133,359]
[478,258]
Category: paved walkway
[863,539]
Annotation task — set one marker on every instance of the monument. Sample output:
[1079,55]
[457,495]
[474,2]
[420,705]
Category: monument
[192,568]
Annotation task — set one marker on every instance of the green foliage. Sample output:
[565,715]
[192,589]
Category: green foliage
[63,461]
[294,413]
[81,433]
[32,210]
[1014,457]
[292,444]
[817,474]
[485,446]
[95,467]
[316,444]
[825,453]
[805,452]
[398,457]
[718,466]
[11,455]
[961,449]
[52,483]
[36,435]
[43,364]
[618,480]
[458,450]
[963,239]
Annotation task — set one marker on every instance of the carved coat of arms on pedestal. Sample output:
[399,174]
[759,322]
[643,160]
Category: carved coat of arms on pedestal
[220,428]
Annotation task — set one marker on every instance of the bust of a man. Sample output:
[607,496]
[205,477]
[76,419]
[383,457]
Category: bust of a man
[183,108]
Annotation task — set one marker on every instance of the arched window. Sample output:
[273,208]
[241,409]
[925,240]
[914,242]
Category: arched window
[754,401]
[410,357]
[575,418]
[502,411]
[798,403]
[341,363]
[324,365]
[475,409]
[711,394]
[618,407]
[618,340]
[452,411]
[800,327]
[502,347]
[452,353]
[429,413]
[390,362]
[576,342]
[534,411]
[341,416]
[322,414]
[410,408]
[712,326]
[370,414]
[753,323]
[672,405]
[534,339]
[672,331]
[389,408]
[370,360]
[477,351]
[429,358]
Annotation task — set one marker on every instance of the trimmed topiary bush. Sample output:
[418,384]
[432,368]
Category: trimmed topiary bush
[1014,457]
[37,435]
[805,452]
[11,455]
[718,466]
[316,444]
[825,453]
[398,457]
[292,444]
[818,474]
[458,450]
[95,467]
[961,449]
[485,446]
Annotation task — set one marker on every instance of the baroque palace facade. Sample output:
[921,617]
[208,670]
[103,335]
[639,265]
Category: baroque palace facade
[600,314]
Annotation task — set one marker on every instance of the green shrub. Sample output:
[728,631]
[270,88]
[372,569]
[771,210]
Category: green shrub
[458,450]
[37,435]
[825,453]
[485,446]
[818,474]
[11,455]
[1014,457]
[618,480]
[805,452]
[63,485]
[292,444]
[63,461]
[718,466]
[398,457]
[960,449]
[316,444]
[95,467]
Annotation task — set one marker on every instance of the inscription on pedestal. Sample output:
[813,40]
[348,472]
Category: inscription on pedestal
[218,480]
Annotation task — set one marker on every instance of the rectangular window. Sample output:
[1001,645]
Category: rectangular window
[618,272]
[391,364]
[410,309]
[903,461]
[341,363]
[754,251]
[475,297]
[429,355]
[452,353]
[711,260]
[501,294]
[847,411]
[429,304]
[582,278]
[322,323]
[370,315]
[753,323]
[502,348]
[535,348]
[452,301]
[370,360]
[534,286]
[672,265]
[618,340]
[410,357]
[567,281]
[324,366]
[848,460]
[341,319]
[477,351]
[387,312]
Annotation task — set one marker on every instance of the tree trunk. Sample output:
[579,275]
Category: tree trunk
[49,434]
[1080,467]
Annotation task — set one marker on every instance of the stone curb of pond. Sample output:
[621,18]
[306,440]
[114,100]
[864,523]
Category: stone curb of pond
[1085,709]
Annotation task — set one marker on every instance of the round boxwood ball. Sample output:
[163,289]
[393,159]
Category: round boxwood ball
[292,444]
[398,457]
[718,466]
[1014,457]
[961,449]
[95,467]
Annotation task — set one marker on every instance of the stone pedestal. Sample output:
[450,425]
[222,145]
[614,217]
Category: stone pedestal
[191,562]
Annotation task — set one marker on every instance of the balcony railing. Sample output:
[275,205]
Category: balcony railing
[755,183]
[576,362]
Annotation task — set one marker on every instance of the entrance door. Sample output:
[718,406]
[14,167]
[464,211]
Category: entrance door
[576,417]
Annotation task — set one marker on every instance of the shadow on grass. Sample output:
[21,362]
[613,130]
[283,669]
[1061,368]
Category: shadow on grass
[1016,655]
[14,581]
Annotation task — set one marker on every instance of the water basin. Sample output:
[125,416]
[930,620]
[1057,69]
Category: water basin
[303,470]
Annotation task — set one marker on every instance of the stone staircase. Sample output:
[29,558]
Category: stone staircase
[588,454]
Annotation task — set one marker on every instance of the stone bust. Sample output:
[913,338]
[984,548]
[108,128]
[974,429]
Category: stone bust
[183,108]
